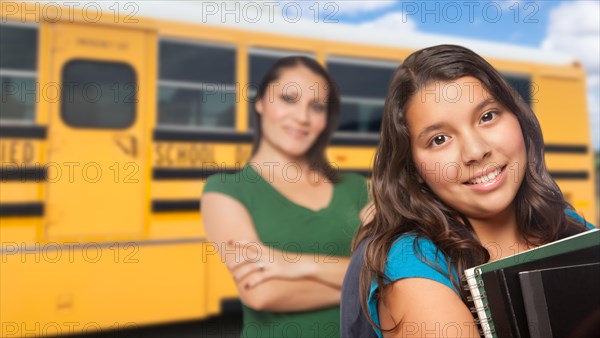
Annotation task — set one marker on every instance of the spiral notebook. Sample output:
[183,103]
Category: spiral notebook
[496,290]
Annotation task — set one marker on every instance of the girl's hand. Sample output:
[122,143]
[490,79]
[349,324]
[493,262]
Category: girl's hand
[256,263]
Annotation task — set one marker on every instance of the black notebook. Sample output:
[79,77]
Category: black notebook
[558,300]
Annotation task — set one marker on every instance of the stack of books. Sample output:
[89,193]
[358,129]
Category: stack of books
[550,291]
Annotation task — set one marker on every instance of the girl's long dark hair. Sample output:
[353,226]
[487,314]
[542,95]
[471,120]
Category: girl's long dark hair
[316,154]
[403,204]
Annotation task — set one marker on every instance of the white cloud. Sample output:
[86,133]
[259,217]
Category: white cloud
[394,21]
[515,36]
[334,8]
[574,27]
[358,6]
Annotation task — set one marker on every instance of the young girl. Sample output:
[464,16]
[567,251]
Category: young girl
[459,179]
[284,223]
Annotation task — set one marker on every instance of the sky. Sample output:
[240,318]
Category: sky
[571,27]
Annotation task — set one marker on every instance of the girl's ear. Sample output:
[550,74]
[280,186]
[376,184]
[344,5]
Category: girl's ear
[258,105]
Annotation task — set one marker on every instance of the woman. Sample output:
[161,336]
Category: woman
[287,215]
[460,169]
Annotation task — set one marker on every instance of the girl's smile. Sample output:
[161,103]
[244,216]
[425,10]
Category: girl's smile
[297,133]
[489,180]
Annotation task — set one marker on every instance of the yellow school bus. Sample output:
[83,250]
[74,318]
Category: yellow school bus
[114,113]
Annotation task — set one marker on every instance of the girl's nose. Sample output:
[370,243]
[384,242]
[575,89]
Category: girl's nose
[302,114]
[474,149]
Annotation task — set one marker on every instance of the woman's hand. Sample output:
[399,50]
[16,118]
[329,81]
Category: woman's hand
[256,263]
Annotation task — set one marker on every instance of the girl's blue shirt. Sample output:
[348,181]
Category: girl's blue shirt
[406,260]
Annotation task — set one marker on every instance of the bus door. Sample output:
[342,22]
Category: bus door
[96,162]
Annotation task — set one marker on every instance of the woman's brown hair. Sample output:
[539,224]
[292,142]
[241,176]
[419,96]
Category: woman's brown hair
[404,204]
[316,154]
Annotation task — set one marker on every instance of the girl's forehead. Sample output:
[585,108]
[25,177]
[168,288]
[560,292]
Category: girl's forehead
[301,80]
[299,72]
[446,99]
[461,91]
[444,89]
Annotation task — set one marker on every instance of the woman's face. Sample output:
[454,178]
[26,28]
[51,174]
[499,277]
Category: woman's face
[294,110]
[467,147]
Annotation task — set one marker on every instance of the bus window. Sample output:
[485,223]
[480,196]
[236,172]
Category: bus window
[18,72]
[521,83]
[363,85]
[98,94]
[197,85]
[261,60]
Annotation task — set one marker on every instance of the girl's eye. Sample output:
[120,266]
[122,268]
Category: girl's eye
[288,99]
[319,107]
[438,140]
[489,116]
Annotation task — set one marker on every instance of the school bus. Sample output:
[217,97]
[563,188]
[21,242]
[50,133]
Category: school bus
[112,117]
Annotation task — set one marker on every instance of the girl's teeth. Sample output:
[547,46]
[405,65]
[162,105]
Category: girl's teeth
[487,177]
